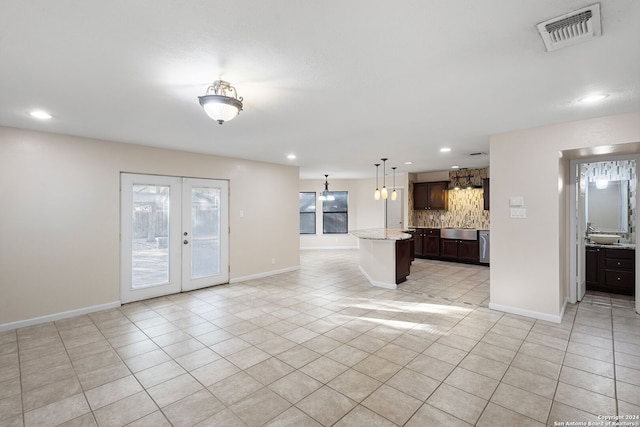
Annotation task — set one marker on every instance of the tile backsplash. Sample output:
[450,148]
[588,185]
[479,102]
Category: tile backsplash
[466,206]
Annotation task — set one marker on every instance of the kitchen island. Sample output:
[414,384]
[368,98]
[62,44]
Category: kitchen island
[384,256]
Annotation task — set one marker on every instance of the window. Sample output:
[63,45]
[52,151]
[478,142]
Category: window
[308,213]
[334,214]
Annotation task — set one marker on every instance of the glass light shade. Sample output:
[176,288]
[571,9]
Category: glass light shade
[384,193]
[376,195]
[602,182]
[220,108]
[394,195]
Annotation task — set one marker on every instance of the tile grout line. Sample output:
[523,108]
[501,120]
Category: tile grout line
[555,391]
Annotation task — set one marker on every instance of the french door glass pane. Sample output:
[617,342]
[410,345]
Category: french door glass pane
[150,235]
[205,232]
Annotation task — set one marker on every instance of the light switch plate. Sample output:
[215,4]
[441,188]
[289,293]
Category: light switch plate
[516,201]
[518,212]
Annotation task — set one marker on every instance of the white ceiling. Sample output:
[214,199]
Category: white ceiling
[339,83]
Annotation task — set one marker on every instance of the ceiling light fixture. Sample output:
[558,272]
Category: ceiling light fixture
[602,182]
[39,114]
[383,193]
[408,162]
[376,194]
[326,194]
[455,167]
[593,98]
[218,104]
[291,156]
[445,149]
[393,193]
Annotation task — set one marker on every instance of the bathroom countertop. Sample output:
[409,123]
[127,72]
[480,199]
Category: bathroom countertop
[630,246]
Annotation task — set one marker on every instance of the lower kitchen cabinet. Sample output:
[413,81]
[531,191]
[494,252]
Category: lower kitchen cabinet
[427,242]
[460,250]
[610,270]
[403,260]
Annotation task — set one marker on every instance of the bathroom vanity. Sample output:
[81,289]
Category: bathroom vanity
[611,268]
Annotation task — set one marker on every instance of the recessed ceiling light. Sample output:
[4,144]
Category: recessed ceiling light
[593,98]
[445,149]
[39,114]
[291,156]
[455,167]
[408,163]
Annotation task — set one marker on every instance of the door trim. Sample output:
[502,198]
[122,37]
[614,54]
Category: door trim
[178,199]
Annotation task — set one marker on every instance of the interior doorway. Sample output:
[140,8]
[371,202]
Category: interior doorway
[174,235]
[604,203]
[394,213]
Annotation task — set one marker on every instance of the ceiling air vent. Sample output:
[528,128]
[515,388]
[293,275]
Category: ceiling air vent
[575,27]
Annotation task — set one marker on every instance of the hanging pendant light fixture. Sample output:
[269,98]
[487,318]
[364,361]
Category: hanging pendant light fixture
[383,193]
[394,195]
[218,104]
[326,194]
[376,194]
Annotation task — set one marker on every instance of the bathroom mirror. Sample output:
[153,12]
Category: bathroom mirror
[608,208]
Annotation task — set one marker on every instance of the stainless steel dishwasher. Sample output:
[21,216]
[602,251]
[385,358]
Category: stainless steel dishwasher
[484,246]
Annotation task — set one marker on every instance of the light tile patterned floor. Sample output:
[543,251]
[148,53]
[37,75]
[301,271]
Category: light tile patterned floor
[319,346]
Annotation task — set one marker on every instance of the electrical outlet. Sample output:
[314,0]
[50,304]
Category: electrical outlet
[516,201]
[518,213]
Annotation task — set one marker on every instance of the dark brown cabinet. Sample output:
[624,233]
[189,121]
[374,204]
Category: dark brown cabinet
[427,242]
[431,195]
[610,270]
[403,260]
[485,193]
[460,250]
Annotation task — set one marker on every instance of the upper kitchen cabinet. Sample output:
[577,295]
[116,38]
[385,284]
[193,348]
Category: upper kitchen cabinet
[431,195]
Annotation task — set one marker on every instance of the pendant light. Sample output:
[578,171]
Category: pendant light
[394,195]
[384,192]
[326,194]
[218,104]
[376,195]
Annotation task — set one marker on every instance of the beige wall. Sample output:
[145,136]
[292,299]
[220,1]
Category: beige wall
[59,217]
[530,257]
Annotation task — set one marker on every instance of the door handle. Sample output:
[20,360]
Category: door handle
[185,242]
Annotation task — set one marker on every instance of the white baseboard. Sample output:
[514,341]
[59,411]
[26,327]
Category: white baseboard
[376,283]
[58,316]
[564,307]
[320,248]
[528,313]
[265,274]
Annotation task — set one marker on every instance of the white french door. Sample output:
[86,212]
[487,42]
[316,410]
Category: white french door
[174,235]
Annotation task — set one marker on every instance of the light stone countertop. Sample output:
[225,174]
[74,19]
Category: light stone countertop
[381,234]
[613,246]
